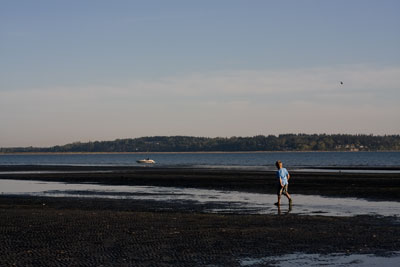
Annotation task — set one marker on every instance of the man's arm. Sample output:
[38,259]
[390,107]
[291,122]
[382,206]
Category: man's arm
[288,177]
[280,180]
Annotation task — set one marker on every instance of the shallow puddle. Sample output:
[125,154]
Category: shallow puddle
[51,172]
[337,259]
[221,201]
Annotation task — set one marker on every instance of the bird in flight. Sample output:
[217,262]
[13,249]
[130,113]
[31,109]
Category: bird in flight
[341,82]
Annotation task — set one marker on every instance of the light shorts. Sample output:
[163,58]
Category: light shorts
[282,190]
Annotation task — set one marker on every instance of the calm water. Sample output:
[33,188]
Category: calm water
[291,159]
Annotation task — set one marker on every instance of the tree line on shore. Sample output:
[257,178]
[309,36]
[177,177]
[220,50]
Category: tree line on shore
[283,142]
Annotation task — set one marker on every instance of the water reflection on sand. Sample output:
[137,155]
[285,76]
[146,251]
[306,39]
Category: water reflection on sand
[337,259]
[221,201]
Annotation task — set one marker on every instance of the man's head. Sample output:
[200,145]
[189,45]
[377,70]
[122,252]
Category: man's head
[278,164]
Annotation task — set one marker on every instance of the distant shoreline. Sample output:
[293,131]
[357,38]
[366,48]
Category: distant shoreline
[235,144]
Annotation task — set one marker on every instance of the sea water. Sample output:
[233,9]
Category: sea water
[254,160]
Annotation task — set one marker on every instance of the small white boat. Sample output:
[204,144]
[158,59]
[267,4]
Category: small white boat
[146,161]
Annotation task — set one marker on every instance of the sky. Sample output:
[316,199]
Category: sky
[92,70]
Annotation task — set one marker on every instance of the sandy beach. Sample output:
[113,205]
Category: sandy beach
[45,231]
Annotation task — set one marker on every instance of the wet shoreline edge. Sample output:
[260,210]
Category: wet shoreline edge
[374,186]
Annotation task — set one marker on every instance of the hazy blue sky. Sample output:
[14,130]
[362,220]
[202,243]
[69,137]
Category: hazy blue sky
[101,70]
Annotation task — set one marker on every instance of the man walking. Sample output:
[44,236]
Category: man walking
[283,177]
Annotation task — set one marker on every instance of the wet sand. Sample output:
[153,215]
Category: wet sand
[381,186]
[40,231]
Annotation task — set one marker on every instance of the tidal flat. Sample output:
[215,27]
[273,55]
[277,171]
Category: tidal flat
[70,230]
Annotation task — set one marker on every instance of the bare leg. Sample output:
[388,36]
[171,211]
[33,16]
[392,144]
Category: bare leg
[289,198]
[279,201]
[280,191]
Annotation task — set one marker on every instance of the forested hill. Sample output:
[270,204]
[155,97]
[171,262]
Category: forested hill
[286,142]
